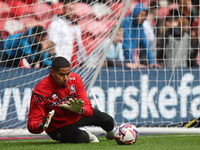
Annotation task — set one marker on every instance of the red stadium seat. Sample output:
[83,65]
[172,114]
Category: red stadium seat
[28,22]
[90,43]
[109,23]
[30,1]
[42,11]
[2,20]
[91,30]
[83,10]
[118,8]
[5,10]
[25,1]
[83,23]
[19,8]
[97,28]
[26,19]
[4,34]
[57,8]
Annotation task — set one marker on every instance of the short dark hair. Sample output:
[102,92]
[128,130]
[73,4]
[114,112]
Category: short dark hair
[39,31]
[174,12]
[60,62]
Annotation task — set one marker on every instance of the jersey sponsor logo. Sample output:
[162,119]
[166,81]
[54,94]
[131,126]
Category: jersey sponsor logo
[72,78]
[54,96]
[72,89]
[59,101]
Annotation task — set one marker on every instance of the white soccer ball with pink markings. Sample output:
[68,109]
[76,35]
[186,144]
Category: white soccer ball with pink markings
[126,134]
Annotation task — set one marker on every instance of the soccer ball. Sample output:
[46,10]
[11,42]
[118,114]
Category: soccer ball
[126,134]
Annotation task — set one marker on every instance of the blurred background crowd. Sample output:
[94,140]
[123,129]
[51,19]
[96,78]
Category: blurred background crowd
[153,33]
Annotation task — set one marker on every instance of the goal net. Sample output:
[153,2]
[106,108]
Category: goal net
[146,74]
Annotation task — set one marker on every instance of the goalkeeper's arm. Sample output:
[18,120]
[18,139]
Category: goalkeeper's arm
[38,117]
[46,121]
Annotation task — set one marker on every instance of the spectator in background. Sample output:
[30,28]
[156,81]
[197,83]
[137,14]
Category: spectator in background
[188,11]
[175,43]
[195,46]
[196,5]
[27,45]
[66,34]
[151,25]
[49,52]
[154,16]
[134,36]
[115,55]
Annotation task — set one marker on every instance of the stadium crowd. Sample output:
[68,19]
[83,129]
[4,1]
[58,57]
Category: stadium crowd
[151,34]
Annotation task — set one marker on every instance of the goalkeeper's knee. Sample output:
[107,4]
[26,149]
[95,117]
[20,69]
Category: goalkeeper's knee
[108,124]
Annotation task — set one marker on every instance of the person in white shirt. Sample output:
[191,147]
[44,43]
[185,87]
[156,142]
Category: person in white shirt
[66,34]
[149,32]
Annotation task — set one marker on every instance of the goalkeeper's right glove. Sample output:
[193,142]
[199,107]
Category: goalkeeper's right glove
[75,105]
[46,121]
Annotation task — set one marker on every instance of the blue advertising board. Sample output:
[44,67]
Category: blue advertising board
[142,97]
[150,97]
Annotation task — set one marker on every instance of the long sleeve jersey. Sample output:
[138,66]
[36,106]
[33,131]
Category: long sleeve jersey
[47,95]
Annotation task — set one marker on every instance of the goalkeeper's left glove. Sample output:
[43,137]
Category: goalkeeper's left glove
[46,121]
[75,105]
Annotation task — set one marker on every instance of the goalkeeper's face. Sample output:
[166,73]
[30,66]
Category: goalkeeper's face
[61,76]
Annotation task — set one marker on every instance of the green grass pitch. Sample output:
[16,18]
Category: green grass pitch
[144,142]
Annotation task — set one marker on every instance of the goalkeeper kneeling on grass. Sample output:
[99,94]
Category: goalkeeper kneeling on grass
[60,106]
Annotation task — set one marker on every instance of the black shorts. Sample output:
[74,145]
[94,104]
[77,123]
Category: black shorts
[72,133]
[98,118]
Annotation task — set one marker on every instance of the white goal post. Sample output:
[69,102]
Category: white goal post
[156,100]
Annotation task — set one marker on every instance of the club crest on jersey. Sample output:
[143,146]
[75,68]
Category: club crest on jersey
[54,96]
[72,88]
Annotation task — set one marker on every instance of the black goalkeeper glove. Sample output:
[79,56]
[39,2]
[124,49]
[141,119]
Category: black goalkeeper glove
[46,121]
